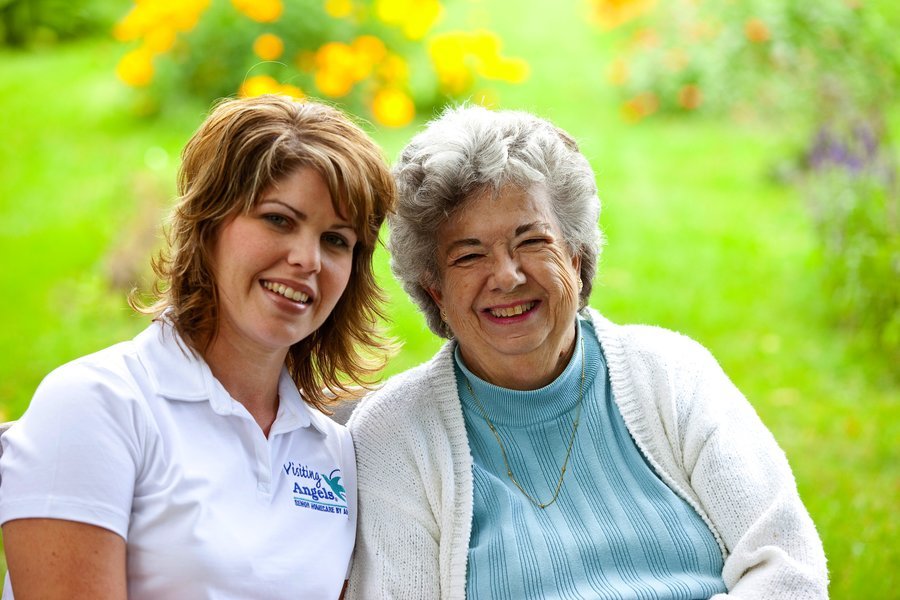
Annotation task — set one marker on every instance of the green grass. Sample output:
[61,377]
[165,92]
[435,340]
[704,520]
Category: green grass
[700,240]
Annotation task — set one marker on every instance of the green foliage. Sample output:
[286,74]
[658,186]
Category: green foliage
[858,220]
[37,22]
[831,71]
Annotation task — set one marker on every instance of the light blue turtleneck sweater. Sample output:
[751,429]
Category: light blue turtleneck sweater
[616,530]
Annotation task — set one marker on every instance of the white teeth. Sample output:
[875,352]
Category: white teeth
[512,311]
[287,292]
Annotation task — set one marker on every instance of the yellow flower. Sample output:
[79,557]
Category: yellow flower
[259,85]
[449,52]
[262,11]
[149,15]
[370,48]
[136,67]
[609,14]
[268,46]
[333,84]
[339,9]
[393,107]
[457,56]
[414,17]
[293,91]
[339,66]
[160,39]
[513,70]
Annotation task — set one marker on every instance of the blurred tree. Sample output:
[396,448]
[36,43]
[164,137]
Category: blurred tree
[380,57]
[833,68]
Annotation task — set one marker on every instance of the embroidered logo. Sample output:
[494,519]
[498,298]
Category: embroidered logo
[316,491]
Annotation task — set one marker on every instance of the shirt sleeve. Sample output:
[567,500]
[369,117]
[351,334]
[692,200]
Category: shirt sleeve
[75,453]
[746,486]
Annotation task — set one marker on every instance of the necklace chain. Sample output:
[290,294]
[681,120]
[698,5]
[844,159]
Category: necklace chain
[562,472]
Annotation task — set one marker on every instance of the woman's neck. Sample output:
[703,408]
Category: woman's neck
[523,371]
[249,376]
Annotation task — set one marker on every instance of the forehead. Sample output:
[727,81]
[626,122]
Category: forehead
[487,214]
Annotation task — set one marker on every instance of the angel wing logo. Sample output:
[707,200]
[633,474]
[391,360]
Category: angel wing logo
[333,480]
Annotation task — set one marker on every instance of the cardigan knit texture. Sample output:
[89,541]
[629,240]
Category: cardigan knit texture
[694,428]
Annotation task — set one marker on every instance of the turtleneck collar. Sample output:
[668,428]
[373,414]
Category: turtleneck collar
[522,408]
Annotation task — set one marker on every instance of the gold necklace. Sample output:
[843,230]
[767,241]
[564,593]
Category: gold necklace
[562,472]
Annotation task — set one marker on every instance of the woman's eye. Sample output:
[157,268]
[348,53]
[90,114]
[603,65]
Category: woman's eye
[532,241]
[277,220]
[336,240]
[466,258]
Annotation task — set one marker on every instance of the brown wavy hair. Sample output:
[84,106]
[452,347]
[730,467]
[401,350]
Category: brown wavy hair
[240,150]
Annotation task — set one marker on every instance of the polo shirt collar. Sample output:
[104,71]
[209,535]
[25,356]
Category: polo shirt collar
[178,373]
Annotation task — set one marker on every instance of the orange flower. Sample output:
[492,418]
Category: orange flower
[757,31]
[640,106]
[690,97]
[393,107]
[268,46]
[609,14]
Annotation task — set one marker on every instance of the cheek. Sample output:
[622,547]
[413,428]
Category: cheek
[559,266]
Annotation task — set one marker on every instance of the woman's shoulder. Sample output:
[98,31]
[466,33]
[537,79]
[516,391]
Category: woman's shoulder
[415,395]
[648,344]
[106,368]
[112,381]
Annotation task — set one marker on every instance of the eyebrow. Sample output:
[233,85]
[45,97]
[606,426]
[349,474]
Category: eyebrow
[301,216]
[541,226]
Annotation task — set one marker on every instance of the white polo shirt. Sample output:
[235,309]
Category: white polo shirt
[141,439]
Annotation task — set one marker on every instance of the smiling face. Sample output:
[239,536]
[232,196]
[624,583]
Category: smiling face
[281,268]
[508,286]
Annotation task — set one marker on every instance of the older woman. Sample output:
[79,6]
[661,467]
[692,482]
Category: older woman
[546,452]
[186,463]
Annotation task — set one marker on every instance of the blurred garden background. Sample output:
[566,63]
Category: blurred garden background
[746,154]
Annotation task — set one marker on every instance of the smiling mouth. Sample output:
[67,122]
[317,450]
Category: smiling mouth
[288,292]
[512,311]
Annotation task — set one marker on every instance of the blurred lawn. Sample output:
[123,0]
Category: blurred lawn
[699,240]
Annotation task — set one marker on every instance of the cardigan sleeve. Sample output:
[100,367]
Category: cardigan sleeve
[396,555]
[744,483]
[408,496]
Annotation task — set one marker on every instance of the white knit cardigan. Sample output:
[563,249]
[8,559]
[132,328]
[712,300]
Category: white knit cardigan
[693,426]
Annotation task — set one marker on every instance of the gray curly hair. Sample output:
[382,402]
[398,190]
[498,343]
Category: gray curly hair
[466,151]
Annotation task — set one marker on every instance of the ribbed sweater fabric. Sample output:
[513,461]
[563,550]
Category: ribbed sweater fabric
[615,530]
[692,426]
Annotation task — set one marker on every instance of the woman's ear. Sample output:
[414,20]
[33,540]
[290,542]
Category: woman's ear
[435,294]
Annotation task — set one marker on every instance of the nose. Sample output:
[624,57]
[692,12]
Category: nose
[507,273]
[306,253]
